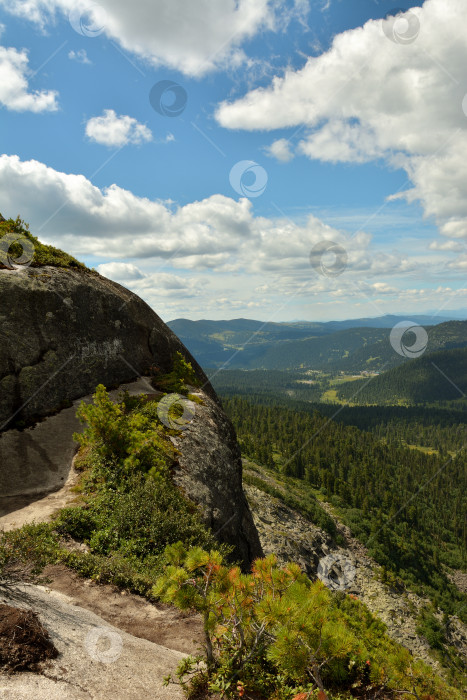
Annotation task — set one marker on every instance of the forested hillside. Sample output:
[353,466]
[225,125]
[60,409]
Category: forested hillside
[356,349]
[434,427]
[407,506]
[438,376]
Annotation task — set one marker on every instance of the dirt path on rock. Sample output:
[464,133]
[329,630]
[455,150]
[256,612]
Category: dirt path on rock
[97,661]
[161,624]
[169,633]
[134,614]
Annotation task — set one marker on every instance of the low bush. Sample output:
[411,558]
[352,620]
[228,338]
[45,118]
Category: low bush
[126,436]
[43,254]
[275,633]
[431,628]
[178,379]
[25,552]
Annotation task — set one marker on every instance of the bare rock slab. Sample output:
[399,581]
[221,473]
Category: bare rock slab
[96,661]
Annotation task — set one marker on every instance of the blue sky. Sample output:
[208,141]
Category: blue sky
[352,117]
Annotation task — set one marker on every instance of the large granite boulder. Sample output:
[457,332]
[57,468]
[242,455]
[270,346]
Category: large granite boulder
[64,331]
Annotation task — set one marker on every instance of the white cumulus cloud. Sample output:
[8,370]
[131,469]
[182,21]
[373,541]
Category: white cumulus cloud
[217,233]
[453,246]
[280,149]
[120,271]
[193,37]
[370,97]
[213,256]
[15,93]
[111,129]
[80,56]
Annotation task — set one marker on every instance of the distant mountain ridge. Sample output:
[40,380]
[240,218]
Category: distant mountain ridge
[335,345]
[206,327]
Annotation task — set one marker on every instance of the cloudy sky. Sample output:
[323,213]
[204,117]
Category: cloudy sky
[272,159]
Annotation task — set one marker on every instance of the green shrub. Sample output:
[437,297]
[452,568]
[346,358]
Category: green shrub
[78,522]
[126,436]
[431,628]
[140,518]
[25,552]
[131,509]
[43,254]
[178,379]
[276,633]
[116,568]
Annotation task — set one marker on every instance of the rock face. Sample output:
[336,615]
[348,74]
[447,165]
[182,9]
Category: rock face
[209,450]
[286,533]
[63,332]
